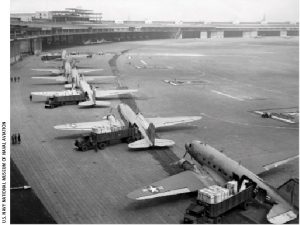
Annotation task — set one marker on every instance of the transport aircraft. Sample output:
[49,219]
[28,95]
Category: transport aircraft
[64,74]
[65,70]
[80,82]
[146,126]
[64,56]
[215,168]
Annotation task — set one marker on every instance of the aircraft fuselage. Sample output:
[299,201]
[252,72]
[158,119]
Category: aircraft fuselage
[229,169]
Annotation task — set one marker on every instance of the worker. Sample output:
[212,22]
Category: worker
[19,138]
[11,79]
[30,97]
[12,139]
[18,79]
[15,79]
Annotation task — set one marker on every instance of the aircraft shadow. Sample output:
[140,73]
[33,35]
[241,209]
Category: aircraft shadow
[176,128]
[71,136]
[92,106]
[47,83]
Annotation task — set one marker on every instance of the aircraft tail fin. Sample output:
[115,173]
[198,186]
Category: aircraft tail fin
[64,54]
[151,133]
[280,214]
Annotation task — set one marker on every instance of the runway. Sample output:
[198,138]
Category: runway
[90,187]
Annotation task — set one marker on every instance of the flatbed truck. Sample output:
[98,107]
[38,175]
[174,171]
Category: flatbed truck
[201,212]
[55,101]
[99,141]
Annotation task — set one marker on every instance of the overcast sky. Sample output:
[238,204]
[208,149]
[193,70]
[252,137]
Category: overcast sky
[186,10]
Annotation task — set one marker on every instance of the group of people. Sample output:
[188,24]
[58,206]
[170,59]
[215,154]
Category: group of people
[16,139]
[14,79]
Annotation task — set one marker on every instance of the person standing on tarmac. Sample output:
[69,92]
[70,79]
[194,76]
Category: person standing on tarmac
[15,79]
[30,97]
[13,139]
[11,79]
[18,79]
[19,138]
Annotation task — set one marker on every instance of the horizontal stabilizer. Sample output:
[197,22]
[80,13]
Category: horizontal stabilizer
[87,103]
[140,144]
[163,143]
[97,103]
[279,214]
[102,103]
[144,143]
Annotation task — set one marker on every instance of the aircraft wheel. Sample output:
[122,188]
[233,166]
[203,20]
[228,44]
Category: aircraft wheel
[101,145]
[84,148]
[129,140]
[218,220]
[245,205]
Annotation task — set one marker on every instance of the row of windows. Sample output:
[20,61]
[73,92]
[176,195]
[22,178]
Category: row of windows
[220,170]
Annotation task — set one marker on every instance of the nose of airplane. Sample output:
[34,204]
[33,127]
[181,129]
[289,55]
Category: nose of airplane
[188,146]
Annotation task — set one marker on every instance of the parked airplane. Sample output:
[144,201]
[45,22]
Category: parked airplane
[95,41]
[145,125]
[66,73]
[64,56]
[217,168]
[80,82]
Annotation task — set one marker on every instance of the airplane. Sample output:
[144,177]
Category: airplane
[64,56]
[95,41]
[91,93]
[64,74]
[215,168]
[145,125]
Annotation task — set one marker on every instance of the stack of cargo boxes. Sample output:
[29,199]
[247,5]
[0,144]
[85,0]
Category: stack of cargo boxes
[216,194]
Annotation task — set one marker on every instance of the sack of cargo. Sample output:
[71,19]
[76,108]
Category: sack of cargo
[232,187]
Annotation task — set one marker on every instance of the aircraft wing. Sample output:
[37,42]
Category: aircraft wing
[108,93]
[267,161]
[47,93]
[95,78]
[280,214]
[58,78]
[54,71]
[187,181]
[85,126]
[170,121]
[80,71]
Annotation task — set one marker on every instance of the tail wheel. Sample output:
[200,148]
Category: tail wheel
[101,145]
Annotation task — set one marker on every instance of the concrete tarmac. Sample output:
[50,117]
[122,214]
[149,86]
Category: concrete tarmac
[241,75]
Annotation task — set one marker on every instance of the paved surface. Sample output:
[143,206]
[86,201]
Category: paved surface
[241,76]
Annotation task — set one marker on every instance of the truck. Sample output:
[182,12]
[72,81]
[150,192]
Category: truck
[59,100]
[96,140]
[202,212]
